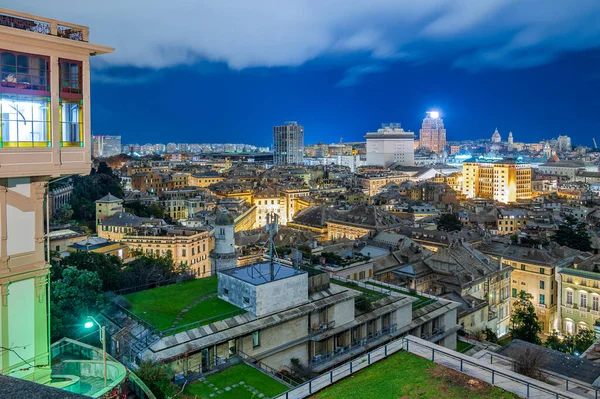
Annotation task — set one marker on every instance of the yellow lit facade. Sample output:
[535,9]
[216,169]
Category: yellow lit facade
[504,181]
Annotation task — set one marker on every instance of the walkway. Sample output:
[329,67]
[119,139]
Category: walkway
[188,307]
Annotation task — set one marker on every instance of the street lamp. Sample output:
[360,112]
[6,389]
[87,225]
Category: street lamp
[89,324]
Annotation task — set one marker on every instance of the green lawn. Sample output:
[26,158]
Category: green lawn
[422,300]
[463,347]
[373,295]
[234,375]
[161,306]
[405,375]
[505,340]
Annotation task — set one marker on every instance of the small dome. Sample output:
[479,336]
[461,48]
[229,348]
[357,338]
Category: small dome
[224,218]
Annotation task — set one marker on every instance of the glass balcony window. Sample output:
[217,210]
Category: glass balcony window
[23,72]
[71,123]
[70,79]
[24,121]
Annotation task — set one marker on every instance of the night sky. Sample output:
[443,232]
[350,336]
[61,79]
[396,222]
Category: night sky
[228,70]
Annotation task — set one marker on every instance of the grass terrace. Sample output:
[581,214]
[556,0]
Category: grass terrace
[405,375]
[463,347]
[418,304]
[179,304]
[243,381]
[373,295]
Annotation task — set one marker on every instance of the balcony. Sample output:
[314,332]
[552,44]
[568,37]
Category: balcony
[43,26]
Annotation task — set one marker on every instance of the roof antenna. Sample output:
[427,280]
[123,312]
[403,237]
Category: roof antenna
[273,228]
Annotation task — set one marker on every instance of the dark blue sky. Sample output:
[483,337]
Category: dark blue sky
[183,105]
[227,71]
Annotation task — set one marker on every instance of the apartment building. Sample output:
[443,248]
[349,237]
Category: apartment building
[510,221]
[44,133]
[580,295]
[503,181]
[186,246]
[534,271]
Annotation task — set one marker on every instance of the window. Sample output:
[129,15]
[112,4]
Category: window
[472,320]
[71,123]
[595,303]
[542,284]
[542,271]
[24,72]
[70,77]
[246,300]
[225,291]
[256,339]
[522,267]
[569,297]
[542,299]
[25,121]
[583,300]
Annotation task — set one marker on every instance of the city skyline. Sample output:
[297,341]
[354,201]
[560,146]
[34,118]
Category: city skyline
[534,74]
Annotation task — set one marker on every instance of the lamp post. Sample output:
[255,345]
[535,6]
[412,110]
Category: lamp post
[89,324]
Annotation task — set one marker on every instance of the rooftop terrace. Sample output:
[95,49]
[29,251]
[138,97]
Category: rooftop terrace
[180,304]
[260,273]
[44,26]
[405,375]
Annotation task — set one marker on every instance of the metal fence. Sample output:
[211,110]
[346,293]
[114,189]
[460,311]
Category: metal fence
[510,381]
[569,384]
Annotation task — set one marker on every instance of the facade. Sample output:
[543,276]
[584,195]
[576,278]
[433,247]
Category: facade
[288,144]
[106,207]
[269,201]
[188,247]
[106,146]
[224,255]
[510,221]
[44,133]
[433,133]
[503,181]
[60,196]
[390,145]
[510,141]
[580,295]
[566,169]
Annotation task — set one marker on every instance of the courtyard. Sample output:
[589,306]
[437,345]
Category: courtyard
[236,382]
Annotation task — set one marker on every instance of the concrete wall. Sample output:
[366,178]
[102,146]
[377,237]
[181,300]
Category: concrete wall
[238,290]
[281,359]
[273,337]
[342,313]
[281,294]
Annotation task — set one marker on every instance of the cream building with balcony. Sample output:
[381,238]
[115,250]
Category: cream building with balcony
[580,295]
[44,133]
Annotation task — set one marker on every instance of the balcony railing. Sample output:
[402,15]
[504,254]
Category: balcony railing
[44,26]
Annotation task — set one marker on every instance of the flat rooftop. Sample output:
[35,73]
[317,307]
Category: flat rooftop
[260,273]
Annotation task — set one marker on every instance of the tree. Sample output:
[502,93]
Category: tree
[158,378]
[529,362]
[77,294]
[107,267]
[573,234]
[583,340]
[64,214]
[490,335]
[571,344]
[149,269]
[524,320]
[449,222]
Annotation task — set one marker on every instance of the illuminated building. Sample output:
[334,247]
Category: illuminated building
[496,138]
[563,144]
[433,133]
[44,133]
[106,146]
[288,144]
[510,141]
[390,145]
[503,181]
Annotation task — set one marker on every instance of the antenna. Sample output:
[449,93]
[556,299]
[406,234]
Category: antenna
[273,228]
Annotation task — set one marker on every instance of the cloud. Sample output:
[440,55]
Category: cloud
[471,34]
[354,75]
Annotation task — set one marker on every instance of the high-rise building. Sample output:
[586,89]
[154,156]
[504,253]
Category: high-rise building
[563,144]
[496,138]
[44,133]
[106,146]
[433,133]
[288,144]
[390,144]
[503,181]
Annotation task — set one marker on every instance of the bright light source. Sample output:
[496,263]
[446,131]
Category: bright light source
[88,324]
[434,114]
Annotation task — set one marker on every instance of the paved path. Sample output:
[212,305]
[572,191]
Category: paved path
[188,307]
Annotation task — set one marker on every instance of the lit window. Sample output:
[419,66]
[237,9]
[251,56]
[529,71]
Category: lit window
[25,121]
[24,72]
[71,118]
